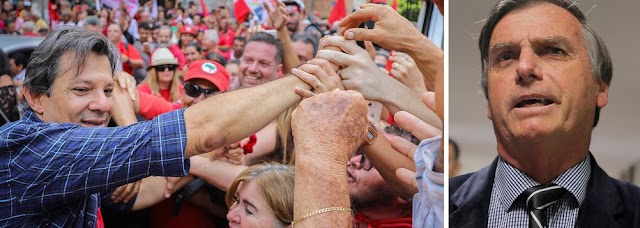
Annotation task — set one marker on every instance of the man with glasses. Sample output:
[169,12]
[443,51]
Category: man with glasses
[374,201]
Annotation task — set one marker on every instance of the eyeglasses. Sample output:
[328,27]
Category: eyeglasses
[164,67]
[194,90]
[364,162]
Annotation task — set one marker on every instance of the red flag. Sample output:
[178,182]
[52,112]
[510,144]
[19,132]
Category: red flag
[241,9]
[394,5]
[339,11]
[205,11]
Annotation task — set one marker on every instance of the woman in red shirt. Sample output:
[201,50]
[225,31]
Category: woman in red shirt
[162,79]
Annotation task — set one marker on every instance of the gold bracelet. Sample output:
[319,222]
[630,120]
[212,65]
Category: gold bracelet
[323,210]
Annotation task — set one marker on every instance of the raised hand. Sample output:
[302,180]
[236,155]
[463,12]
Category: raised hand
[404,68]
[320,75]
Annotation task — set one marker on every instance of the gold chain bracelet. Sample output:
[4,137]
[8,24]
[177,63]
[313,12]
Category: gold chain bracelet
[323,210]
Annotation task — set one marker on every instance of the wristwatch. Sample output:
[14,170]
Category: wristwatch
[372,134]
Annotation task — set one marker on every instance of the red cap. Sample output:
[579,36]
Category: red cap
[187,30]
[210,71]
[379,1]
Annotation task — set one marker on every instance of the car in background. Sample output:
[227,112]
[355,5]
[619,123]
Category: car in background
[11,44]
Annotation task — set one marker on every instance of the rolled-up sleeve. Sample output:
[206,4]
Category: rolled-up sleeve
[50,164]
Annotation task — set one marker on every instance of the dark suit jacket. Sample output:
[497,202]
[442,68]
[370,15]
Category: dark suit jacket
[608,203]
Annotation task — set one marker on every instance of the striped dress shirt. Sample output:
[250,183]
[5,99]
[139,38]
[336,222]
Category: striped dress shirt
[508,209]
[52,174]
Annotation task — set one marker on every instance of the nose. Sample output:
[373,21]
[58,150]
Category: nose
[100,102]
[233,215]
[355,162]
[253,67]
[527,70]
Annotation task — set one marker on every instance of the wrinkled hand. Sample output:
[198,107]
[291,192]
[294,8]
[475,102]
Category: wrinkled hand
[420,130]
[277,16]
[391,31]
[335,120]
[319,74]
[359,72]
[404,68]
[125,192]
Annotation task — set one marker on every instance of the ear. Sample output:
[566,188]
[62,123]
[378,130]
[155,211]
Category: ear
[489,111]
[36,102]
[603,95]
[279,67]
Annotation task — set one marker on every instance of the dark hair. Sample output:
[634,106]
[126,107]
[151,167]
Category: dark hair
[307,39]
[20,59]
[215,56]
[599,57]
[4,64]
[195,45]
[45,63]
[456,148]
[268,39]
[9,20]
[240,38]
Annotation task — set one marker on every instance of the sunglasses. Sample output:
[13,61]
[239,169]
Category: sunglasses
[194,90]
[164,67]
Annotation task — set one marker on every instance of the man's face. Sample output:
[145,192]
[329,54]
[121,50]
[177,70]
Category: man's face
[366,188]
[10,28]
[93,28]
[164,36]
[540,82]
[192,54]
[144,34]
[223,19]
[293,18]
[303,50]
[238,47]
[15,69]
[83,98]
[154,34]
[258,64]
[114,33]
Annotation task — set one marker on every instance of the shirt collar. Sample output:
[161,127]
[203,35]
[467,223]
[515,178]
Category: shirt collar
[30,116]
[511,182]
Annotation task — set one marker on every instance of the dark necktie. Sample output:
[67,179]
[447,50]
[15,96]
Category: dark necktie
[538,198]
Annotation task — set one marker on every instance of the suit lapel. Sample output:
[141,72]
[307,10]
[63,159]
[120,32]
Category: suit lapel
[469,204]
[601,205]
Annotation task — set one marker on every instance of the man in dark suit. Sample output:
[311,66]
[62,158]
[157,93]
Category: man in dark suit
[546,75]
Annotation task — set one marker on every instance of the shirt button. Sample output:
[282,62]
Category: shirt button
[90,223]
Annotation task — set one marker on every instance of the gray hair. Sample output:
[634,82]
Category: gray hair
[92,20]
[46,61]
[212,34]
[599,58]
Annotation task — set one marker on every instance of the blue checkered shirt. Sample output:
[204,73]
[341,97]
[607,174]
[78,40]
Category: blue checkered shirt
[507,209]
[53,174]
